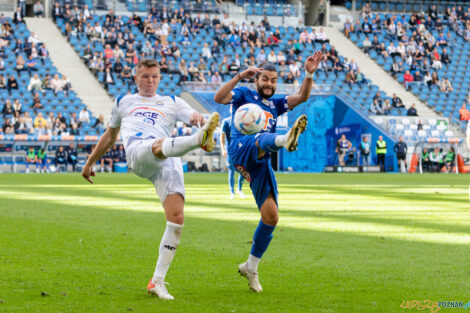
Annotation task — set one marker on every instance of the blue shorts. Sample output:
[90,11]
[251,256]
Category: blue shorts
[243,154]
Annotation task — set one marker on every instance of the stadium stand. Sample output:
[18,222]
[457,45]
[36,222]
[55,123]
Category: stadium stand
[186,43]
[427,53]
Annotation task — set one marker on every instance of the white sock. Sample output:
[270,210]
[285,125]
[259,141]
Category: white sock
[252,263]
[168,245]
[281,140]
[179,146]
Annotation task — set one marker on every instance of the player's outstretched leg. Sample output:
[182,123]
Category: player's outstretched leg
[274,142]
[204,138]
[173,206]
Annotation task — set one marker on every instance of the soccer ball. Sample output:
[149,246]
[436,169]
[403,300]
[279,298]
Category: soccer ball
[250,119]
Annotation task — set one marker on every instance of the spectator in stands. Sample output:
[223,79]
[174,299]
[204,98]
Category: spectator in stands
[34,84]
[99,124]
[74,131]
[17,107]
[360,77]
[28,121]
[12,83]
[400,150]
[127,76]
[50,120]
[397,103]
[294,69]
[37,102]
[412,110]
[376,106]
[449,160]
[351,78]
[366,27]
[206,52]
[320,37]
[7,110]
[366,12]
[464,113]
[56,11]
[65,83]
[38,9]
[56,84]
[40,121]
[386,107]
[61,159]
[408,78]
[8,127]
[108,78]
[20,126]
[84,116]
[183,71]
[446,86]
[418,78]
[436,160]
[3,81]
[74,119]
[216,78]
[436,59]
[348,28]
[20,64]
[18,16]
[382,50]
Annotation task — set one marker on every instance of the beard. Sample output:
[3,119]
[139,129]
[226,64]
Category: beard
[262,93]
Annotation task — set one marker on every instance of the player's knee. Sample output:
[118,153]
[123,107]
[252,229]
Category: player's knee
[270,218]
[176,217]
[157,148]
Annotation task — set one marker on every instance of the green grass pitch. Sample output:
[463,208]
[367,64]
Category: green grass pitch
[344,243]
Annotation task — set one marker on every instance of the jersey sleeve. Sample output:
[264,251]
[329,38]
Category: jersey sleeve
[115,121]
[183,110]
[238,97]
[281,105]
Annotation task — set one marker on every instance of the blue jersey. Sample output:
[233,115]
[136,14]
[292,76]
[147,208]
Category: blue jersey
[243,150]
[273,107]
[226,129]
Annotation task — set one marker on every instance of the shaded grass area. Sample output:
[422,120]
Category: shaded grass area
[345,243]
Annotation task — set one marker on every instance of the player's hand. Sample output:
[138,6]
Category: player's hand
[224,153]
[196,119]
[87,172]
[250,72]
[312,62]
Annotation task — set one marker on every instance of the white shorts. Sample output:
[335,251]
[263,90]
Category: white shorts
[166,175]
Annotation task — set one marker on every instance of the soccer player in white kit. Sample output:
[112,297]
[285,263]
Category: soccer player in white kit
[146,120]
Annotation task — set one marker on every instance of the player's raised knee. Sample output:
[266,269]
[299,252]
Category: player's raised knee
[270,218]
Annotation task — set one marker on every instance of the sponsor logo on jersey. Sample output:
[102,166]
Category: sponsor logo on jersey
[243,172]
[149,114]
[270,121]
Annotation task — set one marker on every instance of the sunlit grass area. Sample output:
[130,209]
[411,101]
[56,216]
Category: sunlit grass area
[344,243]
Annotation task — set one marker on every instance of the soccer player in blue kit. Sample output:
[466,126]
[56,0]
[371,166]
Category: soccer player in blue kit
[224,143]
[250,154]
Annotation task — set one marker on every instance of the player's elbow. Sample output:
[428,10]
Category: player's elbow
[218,99]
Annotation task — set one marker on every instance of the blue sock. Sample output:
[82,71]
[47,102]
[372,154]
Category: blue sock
[240,181]
[267,142]
[231,179]
[261,239]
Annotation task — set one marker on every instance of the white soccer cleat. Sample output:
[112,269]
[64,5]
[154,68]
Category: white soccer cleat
[241,194]
[159,289]
[232,196]
[298,128]
[252,278]
[208,142]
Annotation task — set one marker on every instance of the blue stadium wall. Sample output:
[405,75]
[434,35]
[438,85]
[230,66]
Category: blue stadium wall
[328,118]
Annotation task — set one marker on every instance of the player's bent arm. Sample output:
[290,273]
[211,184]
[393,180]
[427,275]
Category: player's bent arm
[295,99]
[222,141]
[224,94]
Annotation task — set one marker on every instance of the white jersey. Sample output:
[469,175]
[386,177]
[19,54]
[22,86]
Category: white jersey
[148,117]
